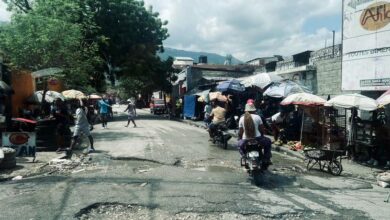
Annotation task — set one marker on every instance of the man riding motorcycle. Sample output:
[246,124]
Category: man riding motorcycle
[218,117]
[251,127]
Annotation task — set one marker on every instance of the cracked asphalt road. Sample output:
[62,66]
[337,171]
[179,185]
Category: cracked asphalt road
[167,170]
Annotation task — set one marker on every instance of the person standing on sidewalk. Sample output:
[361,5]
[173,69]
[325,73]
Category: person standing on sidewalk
[277,121]
[207,112]
[131,113]
[82,127]
[104,108]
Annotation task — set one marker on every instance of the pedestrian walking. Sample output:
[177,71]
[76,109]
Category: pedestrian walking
[62,117]
[103,110]
[131,113]
[82,127]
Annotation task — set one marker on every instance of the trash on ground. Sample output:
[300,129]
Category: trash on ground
[17,178]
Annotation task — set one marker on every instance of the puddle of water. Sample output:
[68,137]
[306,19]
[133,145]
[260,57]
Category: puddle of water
[214,169]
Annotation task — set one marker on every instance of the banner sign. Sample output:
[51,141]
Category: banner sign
[366,45]
[23,142]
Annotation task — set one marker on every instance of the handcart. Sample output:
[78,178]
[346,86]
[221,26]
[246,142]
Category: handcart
[326,159]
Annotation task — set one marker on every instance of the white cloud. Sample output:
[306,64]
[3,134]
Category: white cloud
[246,29]
[249,28]
[4,14]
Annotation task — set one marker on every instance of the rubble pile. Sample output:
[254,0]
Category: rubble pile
[384,179]
[66,166]
[113,211]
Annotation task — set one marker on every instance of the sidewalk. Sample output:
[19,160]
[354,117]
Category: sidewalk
[26,168]
[350,168]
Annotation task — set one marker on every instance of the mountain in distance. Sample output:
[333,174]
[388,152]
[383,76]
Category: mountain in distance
[212,58]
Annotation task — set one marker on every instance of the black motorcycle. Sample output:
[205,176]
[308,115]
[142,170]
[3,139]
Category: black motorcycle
[221,136]
[253,161]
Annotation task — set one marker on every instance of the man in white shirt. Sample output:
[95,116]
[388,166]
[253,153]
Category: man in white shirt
[276,121]
[82,127]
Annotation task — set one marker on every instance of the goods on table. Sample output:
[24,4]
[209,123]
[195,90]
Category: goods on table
[295,145]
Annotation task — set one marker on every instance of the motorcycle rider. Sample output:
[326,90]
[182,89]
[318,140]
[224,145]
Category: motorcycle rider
[250,127]
[218,117]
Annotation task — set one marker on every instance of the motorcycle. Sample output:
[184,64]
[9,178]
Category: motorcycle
[253,161]
[221,137]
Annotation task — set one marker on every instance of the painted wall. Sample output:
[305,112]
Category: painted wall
[24,86]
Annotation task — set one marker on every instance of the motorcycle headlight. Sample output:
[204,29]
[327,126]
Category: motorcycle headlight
[253,154]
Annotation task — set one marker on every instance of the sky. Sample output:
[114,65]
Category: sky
[247,29]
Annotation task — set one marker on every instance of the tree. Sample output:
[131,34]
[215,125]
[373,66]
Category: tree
[52,34]
[123,33]
[132,35]
[21,6]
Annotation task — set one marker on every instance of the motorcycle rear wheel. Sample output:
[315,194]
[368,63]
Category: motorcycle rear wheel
[257,177]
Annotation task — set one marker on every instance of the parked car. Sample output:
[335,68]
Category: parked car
[157,106]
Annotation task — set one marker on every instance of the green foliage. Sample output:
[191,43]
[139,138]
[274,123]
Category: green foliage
[90,39]
[52,35]
[132,35]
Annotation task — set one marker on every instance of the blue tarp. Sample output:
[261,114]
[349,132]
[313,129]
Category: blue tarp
[189,106]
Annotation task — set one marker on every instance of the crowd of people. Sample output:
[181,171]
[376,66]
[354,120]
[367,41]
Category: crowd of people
[83,114]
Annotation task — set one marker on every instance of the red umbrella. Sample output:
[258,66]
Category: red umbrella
[25,120]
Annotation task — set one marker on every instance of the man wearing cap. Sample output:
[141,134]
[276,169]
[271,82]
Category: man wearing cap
[250,127]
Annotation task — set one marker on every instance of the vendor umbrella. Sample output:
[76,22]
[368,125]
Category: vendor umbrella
[25,120]
[305,99]
[53,71]
[231,86]
[50,97]
[73,94]
[384,99]
[262,80]
[302,98]
[355,100]
[285,88]
[94,96]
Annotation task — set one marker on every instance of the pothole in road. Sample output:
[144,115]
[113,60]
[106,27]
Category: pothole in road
[122,211]
[116,211]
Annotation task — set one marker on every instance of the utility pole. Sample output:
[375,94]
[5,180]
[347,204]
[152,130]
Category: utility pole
[333,43]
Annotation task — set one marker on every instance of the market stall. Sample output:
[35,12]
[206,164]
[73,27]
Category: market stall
[360,131]
[307,116]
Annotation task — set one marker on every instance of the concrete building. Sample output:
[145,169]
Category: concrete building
[327,64]
[298,68]
[182,62]
[319,70]
[205,75]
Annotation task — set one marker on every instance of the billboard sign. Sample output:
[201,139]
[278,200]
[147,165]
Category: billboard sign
[366,45]
[23,142]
